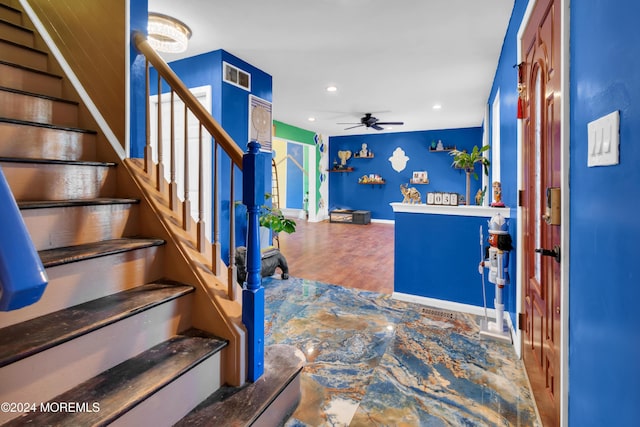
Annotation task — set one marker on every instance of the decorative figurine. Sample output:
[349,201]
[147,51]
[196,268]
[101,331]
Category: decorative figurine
[364,152]
[344,156]
[480,196]
[496,259]
[411,195]
[497,195]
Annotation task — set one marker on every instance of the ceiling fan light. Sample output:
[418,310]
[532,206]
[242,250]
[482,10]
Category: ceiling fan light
[332,89]
[167,34]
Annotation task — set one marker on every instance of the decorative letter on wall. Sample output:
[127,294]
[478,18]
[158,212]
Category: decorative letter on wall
[398,160]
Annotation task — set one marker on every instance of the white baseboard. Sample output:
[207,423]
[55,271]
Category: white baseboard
[384,221]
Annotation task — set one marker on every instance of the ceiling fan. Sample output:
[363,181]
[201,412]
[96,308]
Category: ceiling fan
[371,122]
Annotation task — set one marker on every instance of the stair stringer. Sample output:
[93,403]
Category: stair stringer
[213,310]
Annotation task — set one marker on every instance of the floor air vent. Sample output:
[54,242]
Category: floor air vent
[438,313]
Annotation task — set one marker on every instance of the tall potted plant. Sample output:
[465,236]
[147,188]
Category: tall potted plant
[273,219]
[467,161]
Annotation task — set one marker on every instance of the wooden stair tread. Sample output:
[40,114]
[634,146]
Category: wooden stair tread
[236,406]
[45,125]
[30,69]
[122,387]
[37,95]
[69,254]
[42,204]
[33,336]
[55,161]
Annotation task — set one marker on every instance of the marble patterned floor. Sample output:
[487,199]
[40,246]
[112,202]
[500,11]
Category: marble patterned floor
[376,361]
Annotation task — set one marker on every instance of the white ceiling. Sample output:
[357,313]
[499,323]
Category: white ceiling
[394,59]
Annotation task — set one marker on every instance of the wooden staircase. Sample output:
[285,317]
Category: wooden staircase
[113,333]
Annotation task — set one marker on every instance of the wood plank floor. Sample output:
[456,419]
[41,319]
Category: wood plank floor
[356,256]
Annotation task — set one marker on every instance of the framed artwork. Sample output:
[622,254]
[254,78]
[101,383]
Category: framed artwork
[446,199]
[437,199]
[260,123]
[420,177]
[454,199]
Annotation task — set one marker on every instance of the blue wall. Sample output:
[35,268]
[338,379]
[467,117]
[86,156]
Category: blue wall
[604,349]
[438,258]
[346,193]
[295,176]
[138,15]
[506,81]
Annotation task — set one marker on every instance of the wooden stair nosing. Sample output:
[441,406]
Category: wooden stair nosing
[45,125]
[43,204]
[33,336]
[69,254]
[30,69]
[244,405]
[119,389]
[20,45]
[12,9]
[38,95]
[55,161]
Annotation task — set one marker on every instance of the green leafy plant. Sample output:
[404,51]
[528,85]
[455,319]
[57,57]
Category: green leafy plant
[274,219]
[465,160]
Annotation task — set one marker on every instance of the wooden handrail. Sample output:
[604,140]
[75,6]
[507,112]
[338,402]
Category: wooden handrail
[219,134]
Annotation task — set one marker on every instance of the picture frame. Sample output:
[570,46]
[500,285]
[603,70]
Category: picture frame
[454,199]
[420,177]
[446,198]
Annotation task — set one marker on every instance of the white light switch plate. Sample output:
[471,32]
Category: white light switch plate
[604,140]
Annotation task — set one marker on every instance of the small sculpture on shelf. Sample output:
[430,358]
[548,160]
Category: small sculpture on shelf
[344,155]
[480,196]
[497,195]
[364,152]
[371,179]
[411,194]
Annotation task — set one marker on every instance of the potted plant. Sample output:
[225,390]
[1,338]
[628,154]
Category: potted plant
[273,219]
[467,161]
[270,218]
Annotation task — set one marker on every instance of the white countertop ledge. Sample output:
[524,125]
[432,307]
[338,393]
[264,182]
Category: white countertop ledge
[483,211]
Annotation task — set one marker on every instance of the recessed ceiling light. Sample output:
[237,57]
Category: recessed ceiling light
[437,107]
[332,89]
[312,119]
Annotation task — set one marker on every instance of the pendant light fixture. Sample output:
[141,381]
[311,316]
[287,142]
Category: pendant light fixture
[167,34]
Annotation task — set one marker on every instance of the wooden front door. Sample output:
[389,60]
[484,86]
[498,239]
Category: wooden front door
[541,293]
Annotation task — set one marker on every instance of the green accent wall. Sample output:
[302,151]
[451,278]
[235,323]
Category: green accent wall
[293,133]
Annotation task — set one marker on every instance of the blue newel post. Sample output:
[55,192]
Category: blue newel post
[253,292]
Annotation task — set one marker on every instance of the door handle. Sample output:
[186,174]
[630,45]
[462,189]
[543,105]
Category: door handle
[554,253]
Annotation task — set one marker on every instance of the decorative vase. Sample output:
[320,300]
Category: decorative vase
[466,199]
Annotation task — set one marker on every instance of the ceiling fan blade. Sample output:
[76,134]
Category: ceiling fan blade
[376,127]
[356,126]
[390,123]
[348,123]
